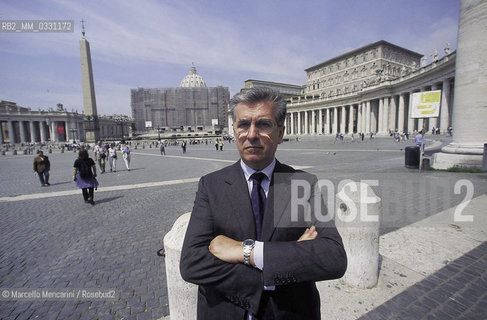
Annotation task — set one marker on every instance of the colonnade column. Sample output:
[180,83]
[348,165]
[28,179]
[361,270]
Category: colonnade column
[22,132]
[367,116]
[32,132]
[380,116]
[299,122]
[52,129]
[11,132]
[313,122]
[392,113]
[44,131]
[470,97]
[364,117]
[291,124]
[385,116]
[306,123]
[320,121]
[344,120]
[335,120]
[350,119]
[359,118]
[327,125]
[445,106]
[374,111]
[400,114]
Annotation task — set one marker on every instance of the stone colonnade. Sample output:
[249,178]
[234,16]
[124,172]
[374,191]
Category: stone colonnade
[31,131]
[378,115]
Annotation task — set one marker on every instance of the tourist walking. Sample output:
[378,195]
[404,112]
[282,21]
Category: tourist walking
[126,156]
[42,167]
[112,158]
[163,148]
[183,145]
[84,174]
[100,156]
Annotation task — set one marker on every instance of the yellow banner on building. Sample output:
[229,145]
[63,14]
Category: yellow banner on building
[426,104]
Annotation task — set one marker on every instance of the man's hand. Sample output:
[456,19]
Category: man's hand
[227,249]
[309,234]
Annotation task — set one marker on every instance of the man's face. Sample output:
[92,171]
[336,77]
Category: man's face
[257,133]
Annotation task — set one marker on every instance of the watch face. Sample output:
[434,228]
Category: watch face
[248,242]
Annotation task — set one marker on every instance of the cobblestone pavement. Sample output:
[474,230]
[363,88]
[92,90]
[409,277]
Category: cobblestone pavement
[61,242]
[458,291]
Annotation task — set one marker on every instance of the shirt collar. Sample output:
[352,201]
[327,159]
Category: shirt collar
[248,171]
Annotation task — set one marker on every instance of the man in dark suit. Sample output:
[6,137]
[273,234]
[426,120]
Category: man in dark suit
[251,255]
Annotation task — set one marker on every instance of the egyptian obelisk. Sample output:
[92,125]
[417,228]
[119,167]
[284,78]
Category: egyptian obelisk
[92,129]
[470,95]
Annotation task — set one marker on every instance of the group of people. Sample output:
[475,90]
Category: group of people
[398,136]
[84,172]
[84,167]
[219,144]
[103,151]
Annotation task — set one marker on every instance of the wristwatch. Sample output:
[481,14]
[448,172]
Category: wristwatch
[248,245]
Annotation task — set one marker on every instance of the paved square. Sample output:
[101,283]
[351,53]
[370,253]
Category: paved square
[51,239]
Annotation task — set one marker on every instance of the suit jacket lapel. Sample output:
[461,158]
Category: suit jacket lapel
[238,197]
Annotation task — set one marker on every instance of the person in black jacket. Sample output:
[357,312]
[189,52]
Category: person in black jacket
[249,256]
[42,166]
[84,174]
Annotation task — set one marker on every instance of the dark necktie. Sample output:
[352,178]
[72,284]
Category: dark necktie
[258,201]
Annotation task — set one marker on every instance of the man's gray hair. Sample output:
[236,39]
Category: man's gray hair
[260,94]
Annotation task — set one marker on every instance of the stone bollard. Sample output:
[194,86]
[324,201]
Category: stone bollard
[14,152]
[25,151]
[3,152]
[357,219]
[50,150]
[62,150]
[182,295]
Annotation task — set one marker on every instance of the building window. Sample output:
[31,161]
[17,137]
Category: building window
[364,71]
[355,73]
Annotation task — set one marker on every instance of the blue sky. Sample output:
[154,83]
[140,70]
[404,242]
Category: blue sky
[152,43]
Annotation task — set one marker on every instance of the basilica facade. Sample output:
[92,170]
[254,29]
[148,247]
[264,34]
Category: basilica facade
[368,90]
[190,107]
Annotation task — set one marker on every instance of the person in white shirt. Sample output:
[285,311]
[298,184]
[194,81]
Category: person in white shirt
[112,158]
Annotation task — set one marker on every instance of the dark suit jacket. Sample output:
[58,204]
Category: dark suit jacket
[226,291]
